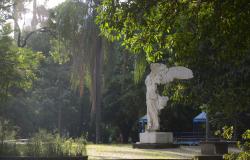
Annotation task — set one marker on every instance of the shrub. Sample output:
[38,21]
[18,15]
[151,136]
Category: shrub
[7,132]
[43,144]
[46,144]
[243,145]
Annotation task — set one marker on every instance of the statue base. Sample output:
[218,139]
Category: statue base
[156,137]
[153,140]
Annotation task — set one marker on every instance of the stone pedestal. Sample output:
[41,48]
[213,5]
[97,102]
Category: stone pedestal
[212,150]
[155,140]
[156,137]
[213,147]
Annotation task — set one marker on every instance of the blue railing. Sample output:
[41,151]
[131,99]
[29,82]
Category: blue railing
[189,138]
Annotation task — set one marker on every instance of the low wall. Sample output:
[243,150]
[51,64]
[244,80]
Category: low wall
[43,158]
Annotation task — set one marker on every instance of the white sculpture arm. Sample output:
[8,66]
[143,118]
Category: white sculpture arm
[178,73]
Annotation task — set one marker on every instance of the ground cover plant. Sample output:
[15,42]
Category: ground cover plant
[44,144]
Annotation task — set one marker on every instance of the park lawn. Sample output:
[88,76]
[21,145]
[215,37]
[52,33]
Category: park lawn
[124,151]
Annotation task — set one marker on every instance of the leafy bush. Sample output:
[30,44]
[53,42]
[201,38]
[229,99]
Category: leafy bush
[46,144]
[243,145]
[39,144]
[7,132]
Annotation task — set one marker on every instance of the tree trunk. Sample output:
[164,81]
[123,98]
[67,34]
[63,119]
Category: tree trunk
[125,134]
[97,75]
[81,117]
[124,70]
[59,119]
[34,21]
[98,72]
[15,18]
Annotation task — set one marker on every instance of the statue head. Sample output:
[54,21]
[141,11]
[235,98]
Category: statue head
[158,72]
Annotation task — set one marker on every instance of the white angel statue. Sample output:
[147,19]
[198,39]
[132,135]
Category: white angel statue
[160,74]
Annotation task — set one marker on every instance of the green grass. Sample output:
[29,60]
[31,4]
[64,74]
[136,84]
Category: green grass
[121,151]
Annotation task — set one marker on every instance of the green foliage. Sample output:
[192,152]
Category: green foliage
[227,132]
[123,100]
[18,70]
[139,67]
[28,65]
[50,94]
[7,132]
[17,65]
[39,144]
[176,27]
[244,146]
[46,144]
[70,22]
[39,106]
[209,37]
[72,18]
[40,42]
[74,41]
[59,52]
[74,23]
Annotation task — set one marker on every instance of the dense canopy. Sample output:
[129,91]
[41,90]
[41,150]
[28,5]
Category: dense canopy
[78,69]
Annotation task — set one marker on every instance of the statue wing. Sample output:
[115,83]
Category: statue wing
[179,73]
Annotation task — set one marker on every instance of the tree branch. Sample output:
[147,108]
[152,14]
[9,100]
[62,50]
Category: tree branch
[24,41]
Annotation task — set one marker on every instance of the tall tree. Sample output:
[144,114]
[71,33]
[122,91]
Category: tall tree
[34,20]
[123,100]
[210,37]
[17,70]
[74,22]
[38,106]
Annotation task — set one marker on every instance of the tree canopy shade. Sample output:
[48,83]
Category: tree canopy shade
[176,28]
[18,66]
[210,37]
